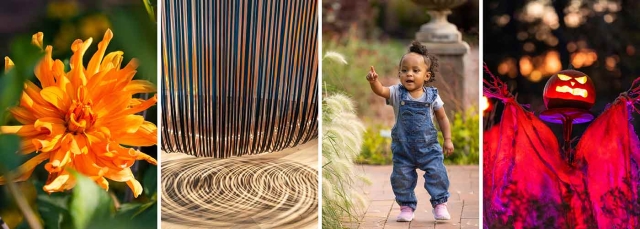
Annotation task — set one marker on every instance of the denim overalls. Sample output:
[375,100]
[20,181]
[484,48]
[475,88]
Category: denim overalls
[415,145]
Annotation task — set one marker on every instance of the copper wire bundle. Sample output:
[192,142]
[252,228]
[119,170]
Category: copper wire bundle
[239,77]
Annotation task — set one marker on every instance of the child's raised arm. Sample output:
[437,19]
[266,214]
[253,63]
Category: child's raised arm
[443,122]
[376,86]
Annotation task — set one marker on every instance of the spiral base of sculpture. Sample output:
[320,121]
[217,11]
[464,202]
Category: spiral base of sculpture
[238,192]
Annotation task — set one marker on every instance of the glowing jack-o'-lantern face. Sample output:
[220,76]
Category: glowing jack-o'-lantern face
[569,89]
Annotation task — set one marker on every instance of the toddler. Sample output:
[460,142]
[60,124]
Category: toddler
[415,138]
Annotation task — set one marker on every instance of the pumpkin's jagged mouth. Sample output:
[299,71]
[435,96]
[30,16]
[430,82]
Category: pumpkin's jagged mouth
[574,91]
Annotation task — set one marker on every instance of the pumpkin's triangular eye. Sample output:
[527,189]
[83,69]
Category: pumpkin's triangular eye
[582,79]
[564,77]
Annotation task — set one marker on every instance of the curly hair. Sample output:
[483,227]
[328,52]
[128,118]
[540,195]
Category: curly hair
[429,59]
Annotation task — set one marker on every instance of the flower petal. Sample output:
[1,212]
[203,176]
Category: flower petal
[59,182]
[119,175]
[139,108]
[24,171]
[143,156]
[22,115]
[47,145]
[36,39]
[113,58]
[125,175]
[33,91]
[86,165]
[54,126]
[8,64]
[37,109]
[126,74]
[27,149]
[113,104]
[58,73]
[103,183]
[140,86]
[29,131]
[127,124]
[56,97]
[135,186]
[95,83]
[60,157]
[94,63]
[146,135]
[10,129]
[44,70]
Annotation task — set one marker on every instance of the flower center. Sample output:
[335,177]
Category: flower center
[80,117]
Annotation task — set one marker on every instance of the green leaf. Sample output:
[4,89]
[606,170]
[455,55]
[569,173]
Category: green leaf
[25,56]
[148,5]
[150,181]
[137,210]
[89,202]
[136,34]
[9,145]
[135,215]
[127,210]
[23,225]
[54,211]
[10,89]
[149,215]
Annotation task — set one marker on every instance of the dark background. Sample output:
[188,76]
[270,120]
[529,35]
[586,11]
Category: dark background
[599,39]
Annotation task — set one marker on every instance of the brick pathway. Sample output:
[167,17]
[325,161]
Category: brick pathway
[382,210]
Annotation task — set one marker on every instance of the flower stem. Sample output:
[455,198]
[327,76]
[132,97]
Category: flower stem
[28,213]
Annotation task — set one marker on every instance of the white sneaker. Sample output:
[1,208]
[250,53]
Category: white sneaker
[441,212]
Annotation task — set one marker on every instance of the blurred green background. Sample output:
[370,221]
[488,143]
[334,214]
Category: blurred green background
[86,206]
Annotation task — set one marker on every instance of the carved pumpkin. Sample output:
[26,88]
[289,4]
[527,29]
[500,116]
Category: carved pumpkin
[569,89]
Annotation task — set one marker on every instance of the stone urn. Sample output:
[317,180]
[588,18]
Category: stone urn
[457,88]
[439,29]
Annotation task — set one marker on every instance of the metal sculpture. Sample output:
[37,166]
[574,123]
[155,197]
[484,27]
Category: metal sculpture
[239,77]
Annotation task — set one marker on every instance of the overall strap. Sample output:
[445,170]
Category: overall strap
[432,94]
[403,92]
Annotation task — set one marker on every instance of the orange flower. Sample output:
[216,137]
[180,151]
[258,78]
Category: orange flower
[82,119]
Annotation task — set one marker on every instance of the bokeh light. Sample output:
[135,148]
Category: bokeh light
[485,104]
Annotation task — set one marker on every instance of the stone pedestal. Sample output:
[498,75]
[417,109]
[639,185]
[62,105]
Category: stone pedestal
[443,40]
[450,80]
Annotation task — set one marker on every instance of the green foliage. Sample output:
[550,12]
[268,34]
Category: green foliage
[54,210]
[150,182]
[9,159]
[350,79]
[88,201]
[342,138]
[136,34]
[11,84]
[465,136]
[149,6]
[376,149]
[89,206]
[25,55]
